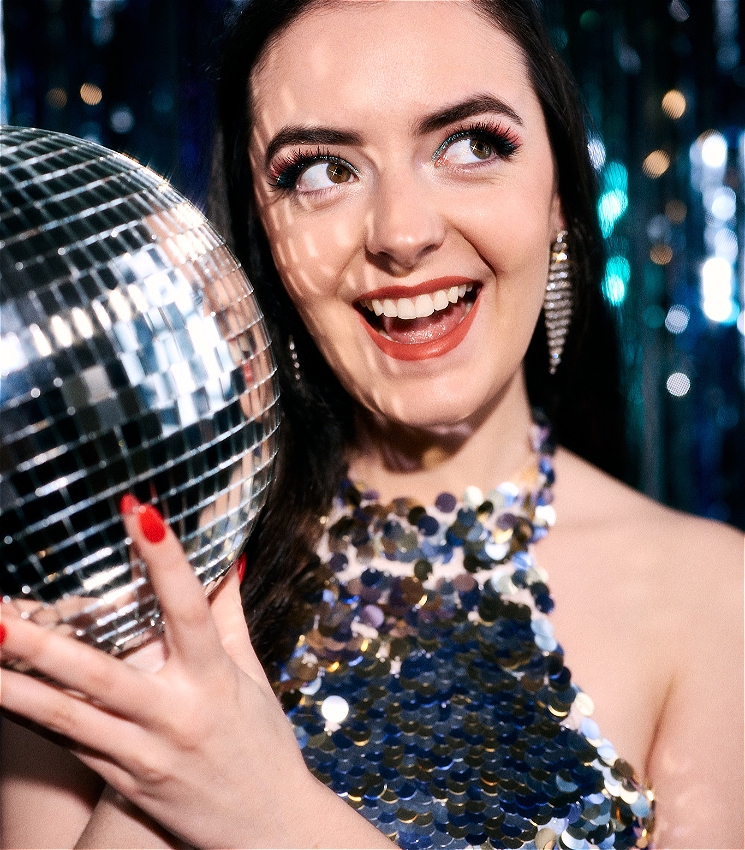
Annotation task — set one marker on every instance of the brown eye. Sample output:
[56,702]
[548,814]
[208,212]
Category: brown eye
[337,173]
[481,149]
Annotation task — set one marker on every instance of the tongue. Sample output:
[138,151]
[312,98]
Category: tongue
[413,331]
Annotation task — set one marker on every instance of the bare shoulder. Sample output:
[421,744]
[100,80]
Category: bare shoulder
[652,607]
[672,579]
[669,572]
[643,534]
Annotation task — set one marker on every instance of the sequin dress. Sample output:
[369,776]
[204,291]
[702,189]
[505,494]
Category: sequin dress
[429,691]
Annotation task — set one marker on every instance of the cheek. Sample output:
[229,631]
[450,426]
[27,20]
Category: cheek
[307,260]
[513,237]
[310,253]
[504,219]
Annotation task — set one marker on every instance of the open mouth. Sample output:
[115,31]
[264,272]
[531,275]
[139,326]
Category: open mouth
[422,325]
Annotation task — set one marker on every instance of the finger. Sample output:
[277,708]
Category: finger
[67,715]
[230,622]
[60,740]
[150,656]
[77,667]
[189,629]
[78,727]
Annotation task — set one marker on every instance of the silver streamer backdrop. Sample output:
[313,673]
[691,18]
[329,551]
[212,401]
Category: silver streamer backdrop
[133,359]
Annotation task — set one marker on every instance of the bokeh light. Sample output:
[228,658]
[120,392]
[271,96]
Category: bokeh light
[596,149]
[616,176]
[617,274]
[674,104]
[590,19]
[676,211]
[678,384]
[659,229]
[677,319]
[721,202]
[679,11]
[121,119]
[91,94]
[725,244]
[57,97]
[661,254]
[713,149]
[656,164]
[716,278]
[611,207]
[614,200]
[717,290]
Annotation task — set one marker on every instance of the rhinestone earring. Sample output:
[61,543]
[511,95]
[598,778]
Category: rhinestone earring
[293,356]
[558,301]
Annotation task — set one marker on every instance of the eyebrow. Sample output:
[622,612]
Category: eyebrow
[303,135]
[299,135]
[476,105]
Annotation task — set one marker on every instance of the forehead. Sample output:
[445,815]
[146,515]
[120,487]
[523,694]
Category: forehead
[352,59]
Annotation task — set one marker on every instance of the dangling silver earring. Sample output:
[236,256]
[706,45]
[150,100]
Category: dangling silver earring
[558,301]
[293,356]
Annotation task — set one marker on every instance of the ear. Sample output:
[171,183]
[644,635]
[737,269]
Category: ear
[558,219]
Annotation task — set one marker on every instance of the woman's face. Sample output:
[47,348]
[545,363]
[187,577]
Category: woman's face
[405,180]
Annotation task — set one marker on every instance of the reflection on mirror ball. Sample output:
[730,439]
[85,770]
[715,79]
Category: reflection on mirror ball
[133,359]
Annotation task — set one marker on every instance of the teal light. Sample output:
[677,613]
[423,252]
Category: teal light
[614,199]
[611,206]
[617,274]
[615,176]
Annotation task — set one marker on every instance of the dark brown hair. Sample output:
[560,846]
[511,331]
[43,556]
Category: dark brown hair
[583,399]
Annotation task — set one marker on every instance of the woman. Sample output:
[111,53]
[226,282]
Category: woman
[415,172]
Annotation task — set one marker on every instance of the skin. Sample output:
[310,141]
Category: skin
[405,219]
[648,602]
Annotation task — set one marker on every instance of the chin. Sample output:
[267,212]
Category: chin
[423,409]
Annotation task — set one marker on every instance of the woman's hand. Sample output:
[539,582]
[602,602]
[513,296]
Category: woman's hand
[202,745]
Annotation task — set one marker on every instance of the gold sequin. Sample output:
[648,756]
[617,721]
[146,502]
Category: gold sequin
[463,726]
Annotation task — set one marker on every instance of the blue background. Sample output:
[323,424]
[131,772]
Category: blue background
[136,76]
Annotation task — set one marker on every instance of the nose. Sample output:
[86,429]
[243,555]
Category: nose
[404,224]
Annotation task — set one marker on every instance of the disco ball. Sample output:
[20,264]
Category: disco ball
[133,359]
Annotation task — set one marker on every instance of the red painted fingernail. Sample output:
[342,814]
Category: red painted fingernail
[240,565]
[128,504]
[3,634]
[151,523]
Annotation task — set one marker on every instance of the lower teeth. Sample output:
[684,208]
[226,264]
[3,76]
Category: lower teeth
[385,335]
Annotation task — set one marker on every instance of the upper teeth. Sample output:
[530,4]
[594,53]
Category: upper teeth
[419,307]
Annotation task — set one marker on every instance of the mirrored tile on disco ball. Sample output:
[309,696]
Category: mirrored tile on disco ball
[133,359]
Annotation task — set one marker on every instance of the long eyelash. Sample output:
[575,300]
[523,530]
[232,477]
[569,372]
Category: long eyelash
[286,171]
[504,140]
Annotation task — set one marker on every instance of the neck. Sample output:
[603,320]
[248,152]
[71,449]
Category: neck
[488,448]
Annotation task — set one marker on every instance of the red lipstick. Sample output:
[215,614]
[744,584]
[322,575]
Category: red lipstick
[431,348]
[426,288]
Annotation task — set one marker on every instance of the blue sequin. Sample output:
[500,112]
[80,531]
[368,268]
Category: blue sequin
[428,525]
[393,530]
[456,729]
[466,517]
[523,559]
[338,561]
[446,503]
